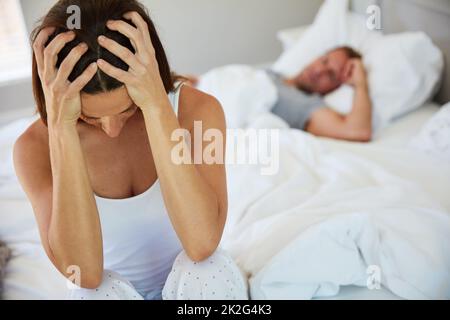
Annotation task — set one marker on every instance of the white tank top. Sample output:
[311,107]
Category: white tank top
[139,241]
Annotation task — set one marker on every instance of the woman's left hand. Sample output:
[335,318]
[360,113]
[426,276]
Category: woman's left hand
[142,80]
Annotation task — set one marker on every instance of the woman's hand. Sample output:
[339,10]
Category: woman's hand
[142,80]
[62,97]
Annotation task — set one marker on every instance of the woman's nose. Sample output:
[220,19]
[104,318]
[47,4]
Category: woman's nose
[112,126]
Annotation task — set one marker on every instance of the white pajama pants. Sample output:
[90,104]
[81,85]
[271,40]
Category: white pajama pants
[216,278]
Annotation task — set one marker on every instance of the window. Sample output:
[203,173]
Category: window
[15,53]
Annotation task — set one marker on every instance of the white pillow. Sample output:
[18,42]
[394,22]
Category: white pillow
[434,137]
[244,92]
[403,69]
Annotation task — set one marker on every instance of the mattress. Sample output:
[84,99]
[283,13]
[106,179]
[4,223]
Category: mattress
[29,274]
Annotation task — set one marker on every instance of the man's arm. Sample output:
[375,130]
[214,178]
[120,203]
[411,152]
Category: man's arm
[357,125]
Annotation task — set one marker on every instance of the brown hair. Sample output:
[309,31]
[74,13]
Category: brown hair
[94,15]
[351,53]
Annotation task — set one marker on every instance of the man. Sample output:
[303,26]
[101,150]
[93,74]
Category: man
[300,98]
[300,101]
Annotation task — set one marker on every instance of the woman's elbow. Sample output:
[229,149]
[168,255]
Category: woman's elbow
[89,279]
[201,248]
[92,282]
[200,252]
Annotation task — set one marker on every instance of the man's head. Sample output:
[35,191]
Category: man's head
[326,73]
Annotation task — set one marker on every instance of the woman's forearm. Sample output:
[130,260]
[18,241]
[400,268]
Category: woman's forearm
[74,236]
[192,205]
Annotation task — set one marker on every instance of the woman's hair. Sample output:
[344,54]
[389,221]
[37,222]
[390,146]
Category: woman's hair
[94,15]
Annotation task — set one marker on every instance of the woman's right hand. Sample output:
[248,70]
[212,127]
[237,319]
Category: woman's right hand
[62,97]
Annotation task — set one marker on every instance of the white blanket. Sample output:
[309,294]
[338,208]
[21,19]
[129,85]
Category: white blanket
[334,210]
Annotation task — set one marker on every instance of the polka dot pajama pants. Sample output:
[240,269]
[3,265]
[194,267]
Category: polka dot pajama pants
[216,278]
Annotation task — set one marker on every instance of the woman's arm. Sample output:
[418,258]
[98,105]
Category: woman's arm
[58,184]
[74,233]
[195,195]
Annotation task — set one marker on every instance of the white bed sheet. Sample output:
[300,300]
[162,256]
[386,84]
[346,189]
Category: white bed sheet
[30,275]
[400,132]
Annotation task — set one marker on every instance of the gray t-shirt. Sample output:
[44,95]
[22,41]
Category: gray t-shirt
[294,106]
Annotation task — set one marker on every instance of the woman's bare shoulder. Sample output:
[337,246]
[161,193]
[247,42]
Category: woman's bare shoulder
[32,144]
[36,133]
[196,105]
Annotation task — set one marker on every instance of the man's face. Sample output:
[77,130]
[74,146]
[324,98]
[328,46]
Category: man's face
[325,74]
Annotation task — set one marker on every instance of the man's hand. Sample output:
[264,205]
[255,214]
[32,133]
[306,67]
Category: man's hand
[355,73]
[355,126]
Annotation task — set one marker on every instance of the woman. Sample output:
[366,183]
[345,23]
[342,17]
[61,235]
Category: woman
[115,213]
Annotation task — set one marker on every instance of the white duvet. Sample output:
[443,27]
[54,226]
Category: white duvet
[335,211]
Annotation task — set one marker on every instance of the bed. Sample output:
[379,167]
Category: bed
[31,276]
[275,238]
[265,233]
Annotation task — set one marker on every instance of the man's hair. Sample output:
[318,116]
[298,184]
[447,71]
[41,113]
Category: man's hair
[351,53]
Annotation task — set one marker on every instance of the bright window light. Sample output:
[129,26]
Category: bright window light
[15,54]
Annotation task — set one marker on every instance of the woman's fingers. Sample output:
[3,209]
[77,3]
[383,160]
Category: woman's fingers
[127,30]
[76,86]
[142,26]
[51,53]
[38,47]
[70,61]
[122,52]
[114,72]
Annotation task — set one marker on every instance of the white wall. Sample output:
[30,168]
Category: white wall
[201,34]
[360,6]
[198,34]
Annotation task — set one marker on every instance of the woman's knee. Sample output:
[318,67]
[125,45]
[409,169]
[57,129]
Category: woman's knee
[217,277]
[112,287]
